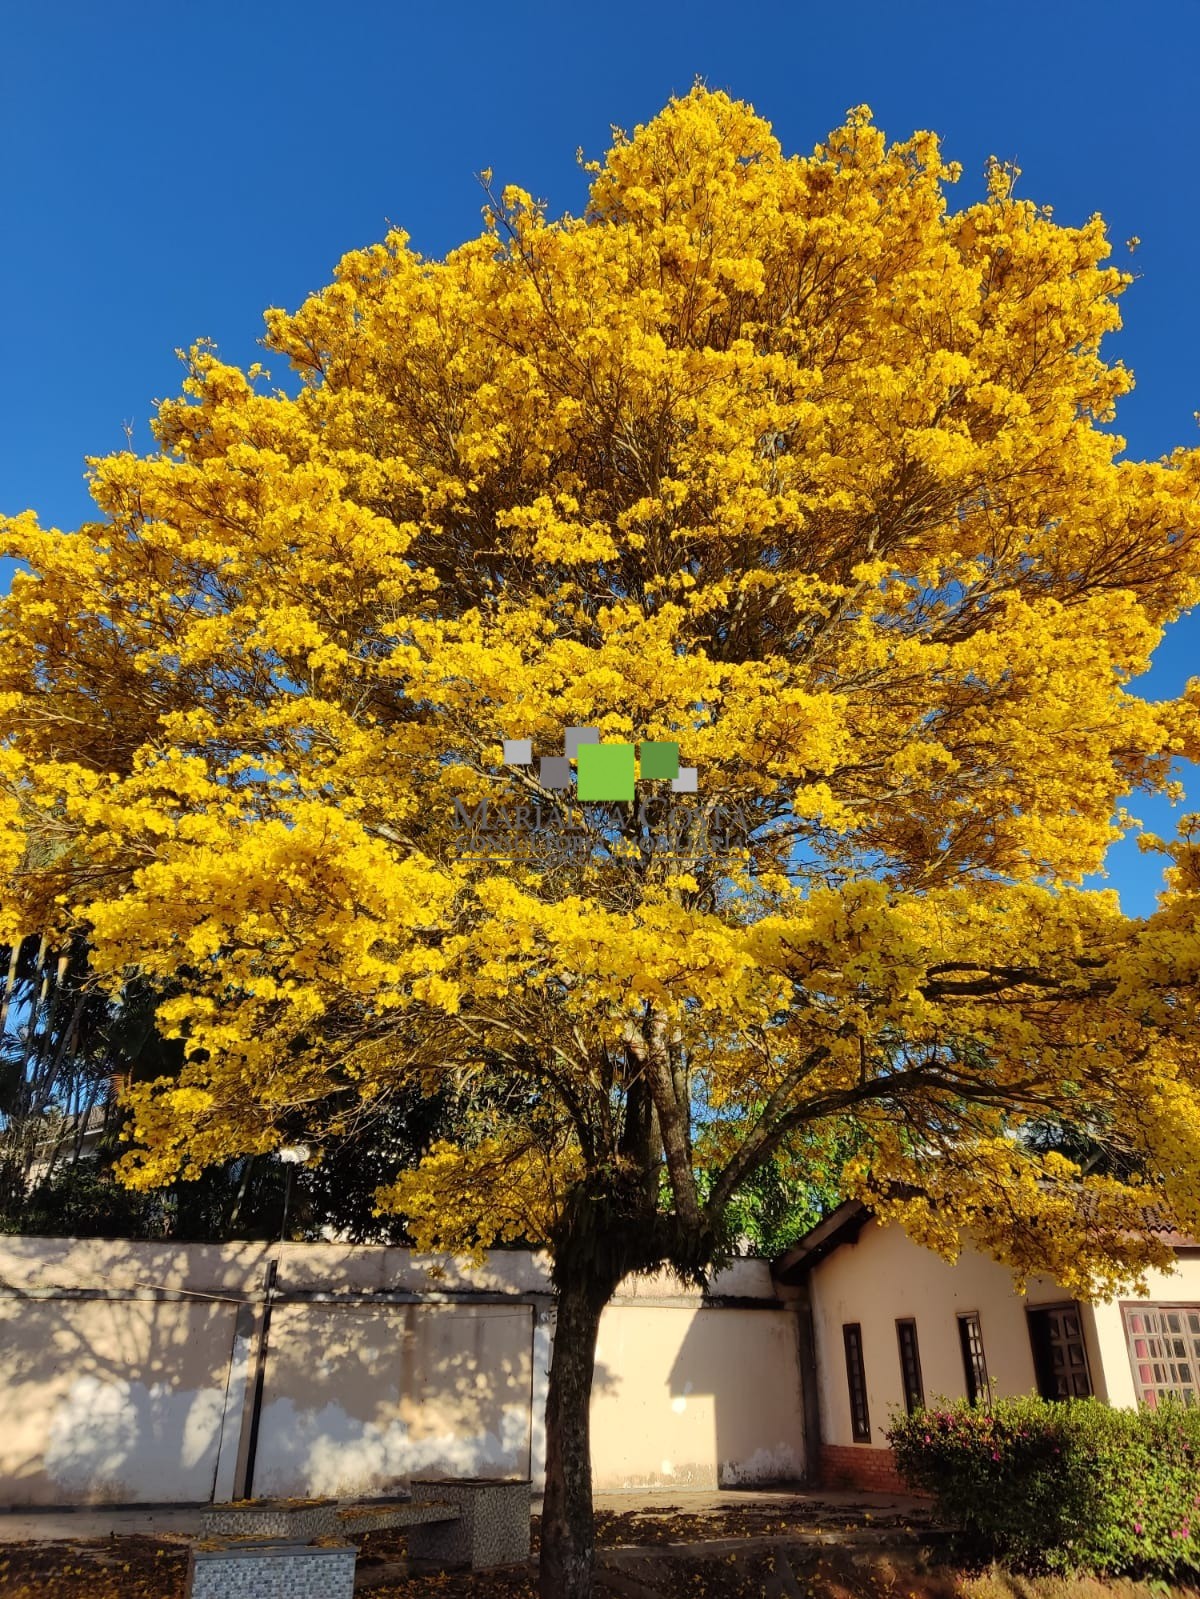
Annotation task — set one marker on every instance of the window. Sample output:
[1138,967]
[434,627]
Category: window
[910,1365]
[860,1421]
[970,1336]
[1164,1351]
[1059,1354]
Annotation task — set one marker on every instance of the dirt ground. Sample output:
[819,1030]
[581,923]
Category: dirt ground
[800,1550]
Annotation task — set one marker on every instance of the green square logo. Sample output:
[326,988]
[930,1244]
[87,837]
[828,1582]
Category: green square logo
[606,772]
[659,760]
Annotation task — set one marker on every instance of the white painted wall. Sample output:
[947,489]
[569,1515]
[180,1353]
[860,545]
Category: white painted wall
[1115,1383]
[696,1399]
[124,1397]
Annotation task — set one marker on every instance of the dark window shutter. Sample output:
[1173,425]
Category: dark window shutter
[1059,1352]
[856,1378]
[910,1365]
[970,1335]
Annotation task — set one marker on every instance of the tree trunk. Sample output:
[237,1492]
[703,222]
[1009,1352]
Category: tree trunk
[568,1543]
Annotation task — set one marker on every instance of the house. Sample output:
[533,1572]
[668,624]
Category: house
[68,1137]
[135,1371]
[886,1325]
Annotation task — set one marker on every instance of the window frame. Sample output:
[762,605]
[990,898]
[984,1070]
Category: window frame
[975,1374]
[856,1373]
[1041,1371]
[1189,1395]
[912,1383]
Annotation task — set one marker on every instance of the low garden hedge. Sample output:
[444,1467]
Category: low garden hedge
[1063,1486]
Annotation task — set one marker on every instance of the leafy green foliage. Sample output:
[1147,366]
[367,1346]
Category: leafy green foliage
[787,1195]
[83,1200]
[1070,1486]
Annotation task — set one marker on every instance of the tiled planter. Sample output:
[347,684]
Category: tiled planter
[272,1571]
[492,1528]
[313,1518]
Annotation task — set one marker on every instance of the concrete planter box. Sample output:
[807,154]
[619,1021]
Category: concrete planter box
[266,1518]
[272,1571]
[359,1519]
[492,1527]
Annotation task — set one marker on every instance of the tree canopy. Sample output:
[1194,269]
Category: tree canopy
[777,459]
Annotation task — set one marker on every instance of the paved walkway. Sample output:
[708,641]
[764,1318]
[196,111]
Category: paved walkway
[74,1525]
[697,1501]
[68,1526]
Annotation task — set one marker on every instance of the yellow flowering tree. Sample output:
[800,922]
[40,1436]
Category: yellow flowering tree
[674,663]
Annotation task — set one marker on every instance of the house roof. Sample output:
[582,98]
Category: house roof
[843,1226]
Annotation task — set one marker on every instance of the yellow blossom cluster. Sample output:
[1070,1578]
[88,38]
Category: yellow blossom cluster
[780,458]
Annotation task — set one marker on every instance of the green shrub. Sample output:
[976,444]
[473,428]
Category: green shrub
[1062,1486]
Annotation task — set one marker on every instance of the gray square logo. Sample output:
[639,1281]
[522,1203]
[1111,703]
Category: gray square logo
[555,771]
[580,735]
[685,783]
[518,752]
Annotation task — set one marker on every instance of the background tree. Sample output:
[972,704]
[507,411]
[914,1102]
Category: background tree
[778,458]
[68,1046]
[57,1064]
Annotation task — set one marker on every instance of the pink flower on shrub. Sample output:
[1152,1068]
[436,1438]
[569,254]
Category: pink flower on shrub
[1137,1527]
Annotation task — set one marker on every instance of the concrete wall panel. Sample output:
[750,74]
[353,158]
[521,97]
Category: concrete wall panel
[358,1398]
[690,1398]
[125,1370]
[111,1401]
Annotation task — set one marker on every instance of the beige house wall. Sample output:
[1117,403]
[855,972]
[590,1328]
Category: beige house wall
[126,1371]
[1112,1372]
[885,1276]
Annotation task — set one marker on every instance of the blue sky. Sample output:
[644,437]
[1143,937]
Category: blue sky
[166,172]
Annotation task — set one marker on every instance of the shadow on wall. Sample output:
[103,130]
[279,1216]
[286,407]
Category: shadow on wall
[748,1360]
[717,1390]
[358,1399]
[128,1399]
[113,1401]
